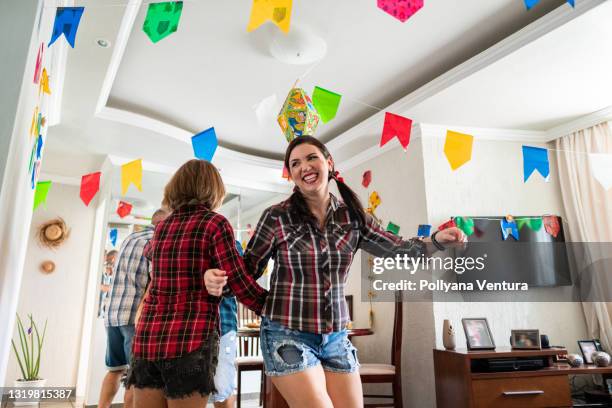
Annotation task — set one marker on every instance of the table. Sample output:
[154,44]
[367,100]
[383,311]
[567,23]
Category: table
[460,385]
[273,398]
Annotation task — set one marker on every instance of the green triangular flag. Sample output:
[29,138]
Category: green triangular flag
[162,19]
[326,103]
[520,222]
[393,228]
[40,195]
[534,223]
[465,224]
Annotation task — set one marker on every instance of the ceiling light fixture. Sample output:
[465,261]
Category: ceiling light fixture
[103,43]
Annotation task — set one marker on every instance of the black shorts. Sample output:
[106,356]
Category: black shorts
[179,377]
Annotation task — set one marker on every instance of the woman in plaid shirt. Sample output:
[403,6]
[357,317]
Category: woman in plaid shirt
[175,347]
[313,237]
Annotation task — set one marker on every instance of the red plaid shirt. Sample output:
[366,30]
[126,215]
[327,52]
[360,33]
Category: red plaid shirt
[311,266]
[179,313]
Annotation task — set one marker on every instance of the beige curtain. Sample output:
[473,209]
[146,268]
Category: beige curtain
[588,208]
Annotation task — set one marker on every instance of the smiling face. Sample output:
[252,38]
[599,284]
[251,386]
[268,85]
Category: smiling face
[309,169]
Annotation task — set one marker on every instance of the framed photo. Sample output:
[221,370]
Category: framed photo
[525,339]
[477,334]
[587,348]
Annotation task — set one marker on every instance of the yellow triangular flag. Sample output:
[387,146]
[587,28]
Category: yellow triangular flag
[34,125]
[44,82]
[458,148]
[131,173]
[277,11]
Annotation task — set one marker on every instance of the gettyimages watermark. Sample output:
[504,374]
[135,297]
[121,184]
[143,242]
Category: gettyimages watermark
[494,271]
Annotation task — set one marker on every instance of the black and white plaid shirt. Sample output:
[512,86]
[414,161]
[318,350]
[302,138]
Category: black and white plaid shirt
[311,265]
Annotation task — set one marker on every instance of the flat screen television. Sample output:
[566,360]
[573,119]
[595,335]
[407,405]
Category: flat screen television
[537,258]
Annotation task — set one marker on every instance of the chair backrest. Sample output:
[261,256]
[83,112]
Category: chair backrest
[396,342]
[247,346]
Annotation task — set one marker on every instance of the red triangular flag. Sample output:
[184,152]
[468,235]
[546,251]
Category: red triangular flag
[90,185]
[447,224]
[551,225]
[396,126]
[124,209]
[367,178]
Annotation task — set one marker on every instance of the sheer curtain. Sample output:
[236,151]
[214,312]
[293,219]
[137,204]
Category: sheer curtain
[588,208]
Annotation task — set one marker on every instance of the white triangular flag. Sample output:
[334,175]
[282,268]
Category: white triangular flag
[267,110]
[601,166]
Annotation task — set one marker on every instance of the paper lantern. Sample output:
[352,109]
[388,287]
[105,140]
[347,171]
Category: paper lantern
[298,115]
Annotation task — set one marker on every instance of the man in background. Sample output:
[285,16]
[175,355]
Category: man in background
[107,278]
[131,278]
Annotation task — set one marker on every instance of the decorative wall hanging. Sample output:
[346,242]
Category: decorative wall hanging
[47,267]
[53,233]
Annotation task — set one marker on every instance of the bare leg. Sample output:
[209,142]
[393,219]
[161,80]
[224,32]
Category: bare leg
[344,389]
[230,402]
[194,401]
[110,386]
[149,398]
[305,389]
[128,398]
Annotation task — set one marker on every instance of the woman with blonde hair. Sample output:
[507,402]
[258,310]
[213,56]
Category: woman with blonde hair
[175,348]
[313,237]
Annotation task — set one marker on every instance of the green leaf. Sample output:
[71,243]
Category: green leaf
[24,345]
[18,359]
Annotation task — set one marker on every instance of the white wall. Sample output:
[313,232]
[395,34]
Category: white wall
[57,297]
[492,184]
[20,36]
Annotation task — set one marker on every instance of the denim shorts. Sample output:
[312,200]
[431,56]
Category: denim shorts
[182,376]
[287,351]
[225,376]
[118,347]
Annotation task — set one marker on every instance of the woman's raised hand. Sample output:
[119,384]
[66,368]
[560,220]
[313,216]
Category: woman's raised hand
[451,236]
[215,280]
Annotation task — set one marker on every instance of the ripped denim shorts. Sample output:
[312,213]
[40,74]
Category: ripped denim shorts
[287,351]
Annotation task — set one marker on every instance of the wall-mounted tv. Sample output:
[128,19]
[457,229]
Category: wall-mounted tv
[537,258]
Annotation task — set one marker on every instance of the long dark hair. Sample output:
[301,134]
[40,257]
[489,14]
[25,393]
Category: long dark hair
[298,203]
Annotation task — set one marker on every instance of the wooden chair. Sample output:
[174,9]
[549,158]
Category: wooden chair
[249,354]
[388,373]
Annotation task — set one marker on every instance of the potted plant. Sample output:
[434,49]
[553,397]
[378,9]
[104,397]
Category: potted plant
[28,355]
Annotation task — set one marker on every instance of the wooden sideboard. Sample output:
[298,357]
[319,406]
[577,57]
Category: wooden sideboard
[458,385]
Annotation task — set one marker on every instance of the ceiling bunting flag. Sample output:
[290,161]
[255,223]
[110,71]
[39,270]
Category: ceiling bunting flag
[113,236]
[40,195]
[124,209]
[601,167]
[448,224]
[571,3]
[535,158]
[424,230]
[374,200]
[400,9]
[205,144]
[534,224]
[37,68]
[298,115]
[530,3]
[66,22]
[90,185]
[326,103]
[367,178]
[267,109]
[131,173]
[509,228]
[35,173]
[162,19]
[396,126]
[34,125]
[551,224]
[465,224]
[458,148]
[277,11]
[44,83]
[39,146]
[478,232]
[393,228]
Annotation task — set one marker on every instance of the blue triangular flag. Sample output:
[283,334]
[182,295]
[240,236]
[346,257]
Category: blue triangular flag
[113,236]
[535,158]
[204,144]
[530,3]
[424,230]
[509,228]
[572,3]
[66,22]
[39,145]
